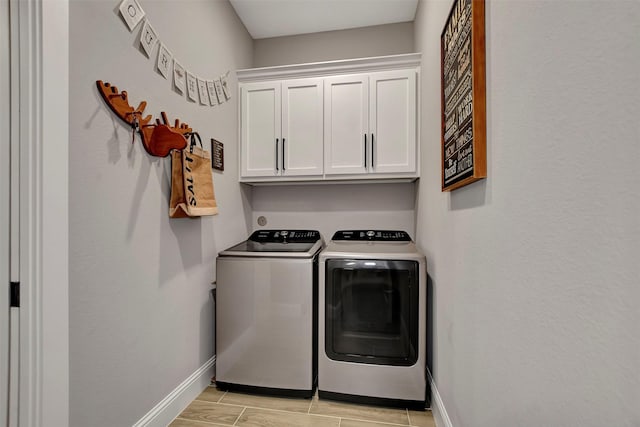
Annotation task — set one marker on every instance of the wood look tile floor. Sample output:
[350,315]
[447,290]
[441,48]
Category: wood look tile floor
[214,407]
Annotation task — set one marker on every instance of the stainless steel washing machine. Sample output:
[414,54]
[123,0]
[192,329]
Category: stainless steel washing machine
[372,319]
[266,313]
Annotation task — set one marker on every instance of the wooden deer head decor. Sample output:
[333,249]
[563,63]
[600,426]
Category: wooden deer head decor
[157,138]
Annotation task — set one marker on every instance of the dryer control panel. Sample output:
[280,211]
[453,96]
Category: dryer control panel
[372,235]
[282,236]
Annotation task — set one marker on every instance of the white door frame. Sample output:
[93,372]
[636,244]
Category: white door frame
[5,174]
[42,88]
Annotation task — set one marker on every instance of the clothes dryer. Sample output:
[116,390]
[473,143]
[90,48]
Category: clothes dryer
[372,319]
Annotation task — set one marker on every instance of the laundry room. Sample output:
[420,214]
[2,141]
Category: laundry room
[527,267]
[175,272]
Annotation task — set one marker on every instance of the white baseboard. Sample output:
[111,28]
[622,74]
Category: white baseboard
[437,406]
[171,406]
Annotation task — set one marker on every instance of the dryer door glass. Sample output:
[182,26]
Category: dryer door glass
[371,311]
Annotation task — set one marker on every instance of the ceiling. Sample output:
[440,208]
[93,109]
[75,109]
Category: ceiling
[275,18]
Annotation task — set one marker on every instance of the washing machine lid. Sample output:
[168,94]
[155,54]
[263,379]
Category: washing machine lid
[278,243]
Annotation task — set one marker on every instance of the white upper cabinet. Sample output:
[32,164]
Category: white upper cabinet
[370,123]
[392,121]
[345,120]
[302,142]
[281,131]
[346,112]
[260,130]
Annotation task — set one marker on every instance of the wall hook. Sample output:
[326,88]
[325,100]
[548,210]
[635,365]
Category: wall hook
[158,138]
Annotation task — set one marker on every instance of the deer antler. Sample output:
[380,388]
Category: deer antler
[158,139]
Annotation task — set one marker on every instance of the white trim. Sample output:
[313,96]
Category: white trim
[30,209]
[437,405]
[330,179]
[42,87]
[6,395]
[173,404]
[316,69]
[53,306]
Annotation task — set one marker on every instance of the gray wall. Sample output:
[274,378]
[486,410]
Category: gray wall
[141,316]
[379,40]
[535,270]
[332,207]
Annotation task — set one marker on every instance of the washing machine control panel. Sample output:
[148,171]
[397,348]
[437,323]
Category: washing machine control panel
[372,235]
[282,236]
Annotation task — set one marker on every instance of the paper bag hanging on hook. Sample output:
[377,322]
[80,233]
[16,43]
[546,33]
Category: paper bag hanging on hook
[191,182]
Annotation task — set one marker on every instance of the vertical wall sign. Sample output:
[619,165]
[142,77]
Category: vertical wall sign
[464,124]
[217,148]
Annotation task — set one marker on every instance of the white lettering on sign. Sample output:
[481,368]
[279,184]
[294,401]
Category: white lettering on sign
[450,171]
[466,137]
[465,163]
[465,109]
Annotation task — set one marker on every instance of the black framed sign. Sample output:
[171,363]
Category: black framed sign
[464,123]
[217,150]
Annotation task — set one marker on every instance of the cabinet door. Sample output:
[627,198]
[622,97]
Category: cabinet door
[302,142]
[346,124]
[260,124]
[392,121]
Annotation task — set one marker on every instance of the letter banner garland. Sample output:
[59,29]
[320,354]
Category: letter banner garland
[209,92]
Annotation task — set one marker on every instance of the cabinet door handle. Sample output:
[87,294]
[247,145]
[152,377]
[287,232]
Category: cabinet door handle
[365,151]
[277,169]
[373,150]
[283,168]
